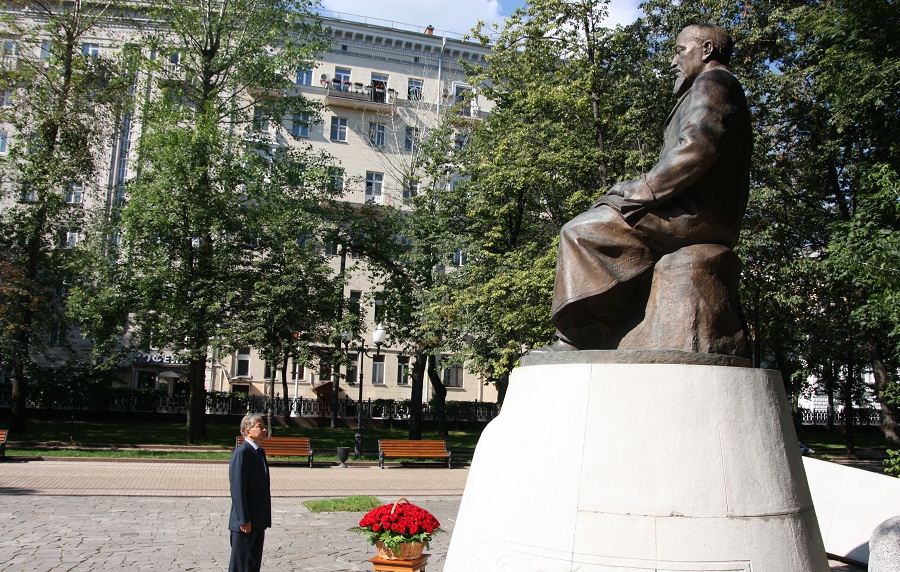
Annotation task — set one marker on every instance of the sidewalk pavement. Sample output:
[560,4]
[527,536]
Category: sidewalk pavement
[112,515]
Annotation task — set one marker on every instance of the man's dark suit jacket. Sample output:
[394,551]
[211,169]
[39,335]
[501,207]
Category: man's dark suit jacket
[251,500]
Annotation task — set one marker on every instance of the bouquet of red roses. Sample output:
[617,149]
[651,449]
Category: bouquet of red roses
[396,524]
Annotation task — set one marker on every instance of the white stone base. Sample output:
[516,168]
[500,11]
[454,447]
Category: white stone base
[621,467]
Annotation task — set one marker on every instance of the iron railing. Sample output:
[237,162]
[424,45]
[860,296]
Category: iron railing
[861,417]
[224,403]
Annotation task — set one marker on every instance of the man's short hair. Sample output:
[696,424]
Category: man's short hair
[719,37]
[249,421]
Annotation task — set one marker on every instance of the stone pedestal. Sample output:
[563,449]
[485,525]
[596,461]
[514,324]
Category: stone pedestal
[597,466]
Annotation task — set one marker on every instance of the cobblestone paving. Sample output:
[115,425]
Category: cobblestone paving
[126,515]
[58,533]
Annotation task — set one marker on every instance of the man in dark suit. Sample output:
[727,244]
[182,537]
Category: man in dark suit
[696,194]
[251,500]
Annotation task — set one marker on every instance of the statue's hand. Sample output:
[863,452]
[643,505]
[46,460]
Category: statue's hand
[618,189]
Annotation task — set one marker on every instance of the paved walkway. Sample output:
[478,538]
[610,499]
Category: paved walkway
[128,515]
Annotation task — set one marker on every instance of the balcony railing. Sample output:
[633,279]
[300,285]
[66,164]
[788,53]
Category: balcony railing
[359,96]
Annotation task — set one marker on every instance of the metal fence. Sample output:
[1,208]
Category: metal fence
[224,403]
[861,417]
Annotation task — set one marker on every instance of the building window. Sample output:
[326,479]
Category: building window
[335,179]
[304,77]
[124,152]
[91,50]
[411,143]
[463,94]
[352,374]
[74,193]
[414,89]
[341,79]
[45,50]
[69,238]
[376,133]
[411,188]
[460,258]
[6,98]
[460,141]
[457,182]
[378,370]
[324,371]
[353,304]
[339,129]
[300,125]
[374,182]
[242,367]
[379,87]
[267,370]
[298,372]
[55,334]
[3,137]
[379,309]
[260,120]
[28,195]
[453,376]
[403,370]
[10,48]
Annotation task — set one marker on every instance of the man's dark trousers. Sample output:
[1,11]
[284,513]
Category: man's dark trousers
[246,550]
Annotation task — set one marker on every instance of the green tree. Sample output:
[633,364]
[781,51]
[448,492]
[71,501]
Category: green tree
[220,85]
[286,304]
[59,97]
[561,83]
[817,244]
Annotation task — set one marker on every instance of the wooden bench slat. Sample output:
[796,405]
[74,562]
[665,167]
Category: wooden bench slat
[285,447]
[413,449]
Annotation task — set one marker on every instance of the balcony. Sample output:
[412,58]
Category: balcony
[357,96]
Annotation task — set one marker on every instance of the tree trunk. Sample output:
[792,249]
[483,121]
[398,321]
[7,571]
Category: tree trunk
[284,389]
[502,386]
[849,431]
[196,411]
[417,381]
[335,390]
[888,417]
[17,415]
[440,397]
[829,392]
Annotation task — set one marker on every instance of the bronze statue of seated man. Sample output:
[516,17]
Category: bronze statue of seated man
[650,265]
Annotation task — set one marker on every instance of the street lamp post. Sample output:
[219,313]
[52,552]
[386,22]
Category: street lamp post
[378,336]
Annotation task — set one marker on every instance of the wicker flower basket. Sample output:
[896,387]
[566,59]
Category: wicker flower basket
[407,551]
[406,527]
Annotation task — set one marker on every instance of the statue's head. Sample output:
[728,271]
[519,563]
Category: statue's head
[697,48]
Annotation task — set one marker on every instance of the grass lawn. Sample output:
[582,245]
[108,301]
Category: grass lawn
[867,438]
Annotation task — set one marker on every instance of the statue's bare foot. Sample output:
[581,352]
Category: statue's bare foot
[559,346]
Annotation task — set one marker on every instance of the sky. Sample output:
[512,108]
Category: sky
[456,15]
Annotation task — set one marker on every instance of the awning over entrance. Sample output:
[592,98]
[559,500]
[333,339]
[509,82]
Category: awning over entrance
[325,389]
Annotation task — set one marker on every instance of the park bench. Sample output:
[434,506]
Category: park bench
[412,450]
[3,436]
[285,447]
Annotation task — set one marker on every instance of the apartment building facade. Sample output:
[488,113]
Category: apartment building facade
[383,86]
